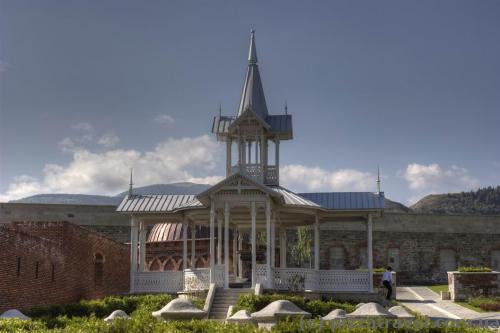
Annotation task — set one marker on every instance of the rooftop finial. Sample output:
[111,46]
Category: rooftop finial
[378,179]
[220,109]
[130,189]
[252,54]
[286,107]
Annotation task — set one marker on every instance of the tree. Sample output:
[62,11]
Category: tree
[301,250]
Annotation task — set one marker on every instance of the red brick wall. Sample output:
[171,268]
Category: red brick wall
[66,249]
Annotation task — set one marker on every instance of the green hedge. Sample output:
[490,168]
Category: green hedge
[473,269]
[486,303]
[139,324]
[252,303]
[100,308]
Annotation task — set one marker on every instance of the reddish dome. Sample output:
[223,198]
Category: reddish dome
[166,232]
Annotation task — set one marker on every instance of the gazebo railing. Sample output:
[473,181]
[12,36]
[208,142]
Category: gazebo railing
[157,282]
[196,279]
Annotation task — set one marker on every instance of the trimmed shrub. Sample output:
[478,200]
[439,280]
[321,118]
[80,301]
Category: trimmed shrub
[253,303]
[473,269]
[486,303]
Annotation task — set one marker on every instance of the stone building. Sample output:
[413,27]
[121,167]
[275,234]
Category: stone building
[43,263]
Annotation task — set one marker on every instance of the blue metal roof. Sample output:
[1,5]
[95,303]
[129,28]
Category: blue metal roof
[347,200]
[281,123]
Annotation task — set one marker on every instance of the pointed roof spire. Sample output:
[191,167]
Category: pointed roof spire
[286,106]
[220,109]
[252,95]
[252,53]
[130,189]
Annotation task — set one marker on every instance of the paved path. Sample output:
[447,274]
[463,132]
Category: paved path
[428,303]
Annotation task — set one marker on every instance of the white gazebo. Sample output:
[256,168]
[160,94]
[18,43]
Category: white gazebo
[248,201]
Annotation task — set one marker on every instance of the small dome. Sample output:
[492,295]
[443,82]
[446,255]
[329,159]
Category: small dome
[165,232]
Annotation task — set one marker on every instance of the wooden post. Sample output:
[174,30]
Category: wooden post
[193,245]
[229,147]
[254,244]
[212,241]
[282,247]
[184,243]
[219,240]
[235,245]
[370,252]
[226,244]
[273,241]
[316,243]
[133,252]
[277,158]
[240,247]
[268,242]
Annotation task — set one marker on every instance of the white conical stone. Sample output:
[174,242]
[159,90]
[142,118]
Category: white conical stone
[178,309]
[115,315]
[14,314]
[358,305]
[335,314]
[400,312]
[370,310]
[242,316]
[279,309]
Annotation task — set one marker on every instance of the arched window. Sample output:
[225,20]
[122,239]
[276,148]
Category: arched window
[155,265]
[98,269]
[169,265]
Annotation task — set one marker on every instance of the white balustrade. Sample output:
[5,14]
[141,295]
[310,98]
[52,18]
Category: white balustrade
[196,279]
[219,275]
[157,282]
[261,274]
[254,171]
[297,279]
[340,280]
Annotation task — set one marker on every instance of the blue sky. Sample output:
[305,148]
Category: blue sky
[90,88]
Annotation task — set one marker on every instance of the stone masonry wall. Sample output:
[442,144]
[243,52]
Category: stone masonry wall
[467,285]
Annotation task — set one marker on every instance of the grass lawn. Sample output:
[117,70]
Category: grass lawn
[438,288]
[470,307]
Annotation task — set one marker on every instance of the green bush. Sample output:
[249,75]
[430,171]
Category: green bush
[252,303]
[100,308]
[473,269]
[486,303]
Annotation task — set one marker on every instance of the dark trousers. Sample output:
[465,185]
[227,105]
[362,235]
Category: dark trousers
[388,285]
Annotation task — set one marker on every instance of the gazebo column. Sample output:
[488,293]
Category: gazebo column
[316,243]
[212,241]
[268,242]
[142,246]
[219,240]
[277,157]
[235,246]
[254,243]
[193,245]
[369,227]
[282,247]
[273,241]
[184,243]
[240,247]
[226,245]
[133,251]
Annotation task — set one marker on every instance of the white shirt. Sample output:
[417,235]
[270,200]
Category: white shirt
[387,276]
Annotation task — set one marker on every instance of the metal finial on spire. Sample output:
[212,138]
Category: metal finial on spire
[252,53]
[220,109]
[286,107]
[130,189]
[378,179]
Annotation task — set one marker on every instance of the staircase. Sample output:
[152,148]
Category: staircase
[223,299]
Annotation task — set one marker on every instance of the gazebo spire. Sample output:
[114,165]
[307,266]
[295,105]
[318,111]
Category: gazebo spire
[252,95]
[131,185]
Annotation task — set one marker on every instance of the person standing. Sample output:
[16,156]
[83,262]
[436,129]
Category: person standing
[387,281]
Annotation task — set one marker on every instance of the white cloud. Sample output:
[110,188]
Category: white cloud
[108,140]
[432,178]
[83,127]
[164,119]
[186,159]
[305,178]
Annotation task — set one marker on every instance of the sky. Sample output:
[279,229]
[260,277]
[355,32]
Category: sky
[90,89]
